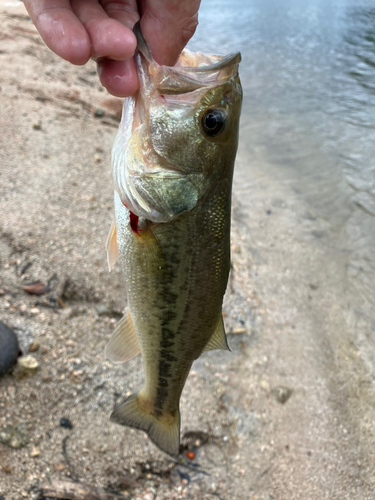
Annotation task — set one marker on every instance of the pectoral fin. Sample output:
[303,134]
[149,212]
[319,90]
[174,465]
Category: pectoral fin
[218,339]
[123,344]
[112,250]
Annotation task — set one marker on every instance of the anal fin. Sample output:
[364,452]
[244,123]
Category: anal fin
[218,339]
[123,345]
[112,250]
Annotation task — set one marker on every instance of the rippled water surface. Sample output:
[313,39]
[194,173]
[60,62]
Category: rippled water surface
[308,72]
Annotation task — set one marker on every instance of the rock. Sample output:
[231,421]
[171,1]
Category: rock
[27,366]
[34,346]
[149,496]
[107,310]
[14,436]
[99,113]
[265,385]
[34,452]
[66,423]
[8,348]
[282,394]
[238,331]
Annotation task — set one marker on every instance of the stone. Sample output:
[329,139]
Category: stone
[27,366]
[281,393]
[8,348]
[34,452]
[14,436]
[66,423]
[238,331]
[107,310]
[149,496]
[99,113]
[34,346]
[265,385]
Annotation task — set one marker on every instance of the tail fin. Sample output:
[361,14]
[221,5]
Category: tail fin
[163,431]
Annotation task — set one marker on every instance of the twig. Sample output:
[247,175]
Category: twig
[65,454]
[77,491]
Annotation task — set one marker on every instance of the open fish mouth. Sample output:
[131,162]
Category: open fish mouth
[192,71]
[142,172]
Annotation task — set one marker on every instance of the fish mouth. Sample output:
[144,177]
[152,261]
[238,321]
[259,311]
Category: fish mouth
[192,71]
[144,178]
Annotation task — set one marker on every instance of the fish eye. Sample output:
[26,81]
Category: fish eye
[213,122]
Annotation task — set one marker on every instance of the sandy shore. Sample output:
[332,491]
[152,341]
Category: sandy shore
[287,415]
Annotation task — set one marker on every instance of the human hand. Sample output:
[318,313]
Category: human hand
[78,30]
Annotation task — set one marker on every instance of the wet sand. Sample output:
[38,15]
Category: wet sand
[290,319]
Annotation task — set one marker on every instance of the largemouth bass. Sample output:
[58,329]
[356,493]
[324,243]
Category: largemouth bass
[172,161]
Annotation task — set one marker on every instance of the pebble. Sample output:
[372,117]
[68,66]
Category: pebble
[107,310]
[149,496]
[265,385]
[14,436]
[34,452]
[66,423]
[99,113]
[27,366]
[282,393]
[34,346]
[8,348]
[238,331]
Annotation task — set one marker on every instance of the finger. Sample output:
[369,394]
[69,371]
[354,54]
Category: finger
[167,26]
[124,11]
[118,77]
[109,37]
[60,29]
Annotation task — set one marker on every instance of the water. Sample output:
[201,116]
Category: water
[308,74]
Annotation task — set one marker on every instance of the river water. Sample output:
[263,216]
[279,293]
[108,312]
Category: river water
[308,117]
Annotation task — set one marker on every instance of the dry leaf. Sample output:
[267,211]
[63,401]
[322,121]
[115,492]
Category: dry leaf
[36,288]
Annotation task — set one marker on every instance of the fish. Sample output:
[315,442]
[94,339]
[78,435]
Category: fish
[172,163]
